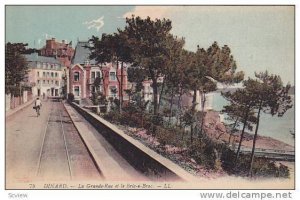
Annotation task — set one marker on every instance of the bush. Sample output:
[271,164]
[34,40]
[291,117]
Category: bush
[203,153]
[113,116]
[165,136]
[95,98]
[169,136]
[71,97]
[262,167]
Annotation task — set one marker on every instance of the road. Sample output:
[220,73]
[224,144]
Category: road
[50,148]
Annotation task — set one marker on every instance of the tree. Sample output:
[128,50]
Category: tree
[148,42]
[242,109]
[15,66]
[124,53]
[207,68]
[236,114]
[219,66]
[269,96]
[101,52]
[171,73]
[113,48]
[188,119]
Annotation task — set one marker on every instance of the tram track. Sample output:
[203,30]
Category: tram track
[66,146]
[43,142]
[63,154]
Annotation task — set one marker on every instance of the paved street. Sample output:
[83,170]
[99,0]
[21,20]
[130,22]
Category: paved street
[46,147]
[50,148]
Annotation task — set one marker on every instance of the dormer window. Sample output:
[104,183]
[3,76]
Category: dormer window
[87,62]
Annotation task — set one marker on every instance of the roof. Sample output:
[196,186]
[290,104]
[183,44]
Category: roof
[34,57]
[82,53]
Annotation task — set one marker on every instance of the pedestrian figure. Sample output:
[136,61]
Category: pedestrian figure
[37,106]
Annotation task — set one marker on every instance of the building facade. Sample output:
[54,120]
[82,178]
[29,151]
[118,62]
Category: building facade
[44,75]
[83,73]
[62,51]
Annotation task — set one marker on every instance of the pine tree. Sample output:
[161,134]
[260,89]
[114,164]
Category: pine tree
[148,41]
[241,109]
[270,96]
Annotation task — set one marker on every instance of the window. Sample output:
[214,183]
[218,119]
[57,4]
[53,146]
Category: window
[38,65]
[52,82]
[52,74]
[49,66]
[76,76]
[44,74]
[44,82]
[56,82]
[48,74]
[98,74]
[76,90]
[38,74]
[112,76]
[38,82]
[44,66]
[48,82]
[93,77]
[113,91]
[55,74]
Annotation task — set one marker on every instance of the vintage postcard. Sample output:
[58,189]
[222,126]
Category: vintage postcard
[149,97]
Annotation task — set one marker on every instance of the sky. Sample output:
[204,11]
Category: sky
[260,37]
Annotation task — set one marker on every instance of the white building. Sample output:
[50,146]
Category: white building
[187,100]
[45,75]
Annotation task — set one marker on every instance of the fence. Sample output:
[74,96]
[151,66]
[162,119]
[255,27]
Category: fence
[12,102]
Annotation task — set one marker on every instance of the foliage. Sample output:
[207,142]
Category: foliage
[241,110]
[262,167]
[265,94]
[148,40]
[71,97]
[112,48]
[269,96]
[95,98]
[203,153]
[15,66]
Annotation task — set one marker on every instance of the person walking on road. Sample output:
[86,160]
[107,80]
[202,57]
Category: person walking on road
[37,106]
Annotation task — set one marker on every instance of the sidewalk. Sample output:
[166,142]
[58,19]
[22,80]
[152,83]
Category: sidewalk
[112,166]
[17,109]
[152,155]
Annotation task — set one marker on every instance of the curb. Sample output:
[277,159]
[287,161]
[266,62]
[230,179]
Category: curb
[90,149]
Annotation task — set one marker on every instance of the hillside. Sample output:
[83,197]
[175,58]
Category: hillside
[218,132]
